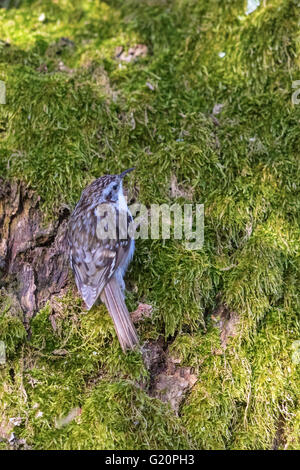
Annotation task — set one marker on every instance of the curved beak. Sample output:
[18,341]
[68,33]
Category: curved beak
[126,171]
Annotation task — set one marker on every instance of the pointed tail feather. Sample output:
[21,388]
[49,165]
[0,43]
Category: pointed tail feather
[113,298]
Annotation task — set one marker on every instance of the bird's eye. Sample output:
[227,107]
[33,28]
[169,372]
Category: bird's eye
[115,186]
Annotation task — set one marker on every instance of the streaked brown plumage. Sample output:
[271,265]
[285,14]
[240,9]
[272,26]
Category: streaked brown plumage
[100,264]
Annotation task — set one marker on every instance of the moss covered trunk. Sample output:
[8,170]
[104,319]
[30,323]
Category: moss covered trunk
[202,98]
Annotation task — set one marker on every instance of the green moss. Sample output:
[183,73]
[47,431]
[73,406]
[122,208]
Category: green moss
[12,331]
[61,129]
[121,416]
[245,393]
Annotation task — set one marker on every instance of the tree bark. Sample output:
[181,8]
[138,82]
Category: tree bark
[33,255]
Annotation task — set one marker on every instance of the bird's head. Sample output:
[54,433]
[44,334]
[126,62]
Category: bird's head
[114,187]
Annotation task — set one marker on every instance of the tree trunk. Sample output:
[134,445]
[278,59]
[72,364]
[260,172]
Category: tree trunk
[33,255]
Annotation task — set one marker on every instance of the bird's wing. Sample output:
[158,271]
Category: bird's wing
[93,260]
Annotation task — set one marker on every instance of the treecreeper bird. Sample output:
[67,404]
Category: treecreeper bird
[99,257]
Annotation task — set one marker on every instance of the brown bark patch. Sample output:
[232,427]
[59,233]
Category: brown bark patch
[134,53]
[33,257]
[169,381]
[227,321]
[143,311]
